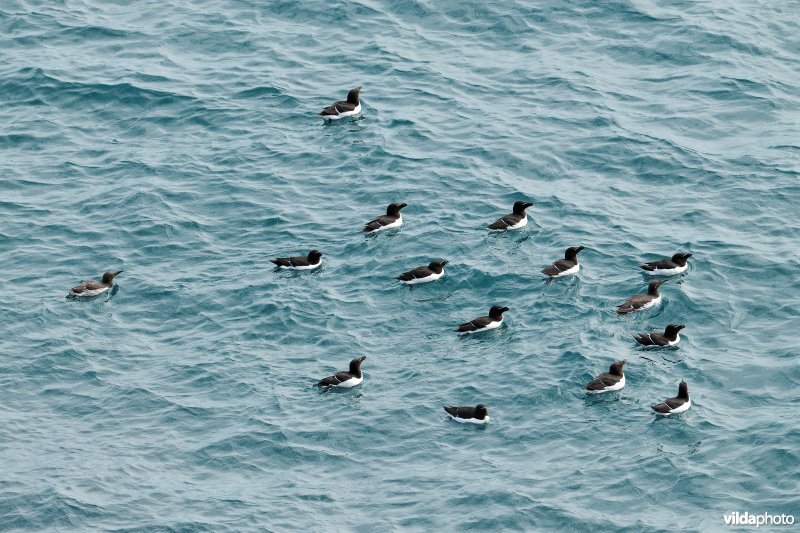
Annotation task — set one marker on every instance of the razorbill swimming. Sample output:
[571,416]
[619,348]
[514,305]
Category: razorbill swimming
[92,287]
[313,260]
[517,219]
[567,266]
[612,380]
[340,109]
[469,415]
[392,219]
[347,379]
[678,404]
[670,336]
[639,302]
[667,267]
[423,274]
[483,323]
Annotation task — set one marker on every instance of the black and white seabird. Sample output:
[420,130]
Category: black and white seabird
[469,415]
[351,378]
[392,219]
[313,260]
[423,274]
[344,109]
[483,323]
[639,302]
[92,287]
[567,266]
[667,267]
[517,219]
[612,380]
[678,404]
[670,336]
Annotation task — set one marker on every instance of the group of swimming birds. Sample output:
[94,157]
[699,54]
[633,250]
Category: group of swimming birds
[613,380]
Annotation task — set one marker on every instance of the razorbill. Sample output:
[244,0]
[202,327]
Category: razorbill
[392,219]
[483,323]
[639,302]
[567,266]
[92,287]
[517,219]
[612,380]
[351,378]
[469,415]
[678,404]
[670,336]
[667,267]
[344,109]
[423,274]
[313,260]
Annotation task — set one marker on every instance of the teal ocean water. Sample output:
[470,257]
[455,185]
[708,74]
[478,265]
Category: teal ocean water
[179,141]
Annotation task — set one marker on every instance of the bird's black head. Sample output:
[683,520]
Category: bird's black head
[680,258]
[108,277]
[352,96]
[616,368]
[652,288]
[355,365]
[673,329]
[394,209]
[683,391]
[520,206]
[572,252]
[437,266]
[497,311]
[481,412]
[314,255]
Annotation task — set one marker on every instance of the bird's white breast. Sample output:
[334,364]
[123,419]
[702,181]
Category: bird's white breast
[90,292]
[304,267]
[343,114]
[469,420]
[396,224]
[352,382]
[521,224]
[568,272]
[652,303]
[491,325]
[617,386]
[667,271]
[432,277]
[682,408]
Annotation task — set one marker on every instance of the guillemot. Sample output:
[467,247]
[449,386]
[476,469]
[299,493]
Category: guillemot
[483,323]
[92,287]
[347,108]
[612,380]
[392,219]
[678,404]
[639,302]
[515,220]
[469,415]
[567,266]
[346,379]
[667,267]
[423,274]
[670,336]
[311,261]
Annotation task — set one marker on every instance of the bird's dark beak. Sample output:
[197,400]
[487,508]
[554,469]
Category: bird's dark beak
[444,262]
[403,205]
[580,248]
[118,272]
[506,309]
[361,359]
[681,326]
[689,255]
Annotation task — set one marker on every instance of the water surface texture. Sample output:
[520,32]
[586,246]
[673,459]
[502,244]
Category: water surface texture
[179,141]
